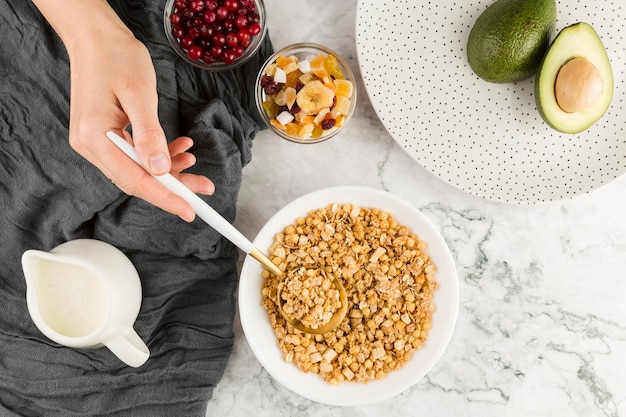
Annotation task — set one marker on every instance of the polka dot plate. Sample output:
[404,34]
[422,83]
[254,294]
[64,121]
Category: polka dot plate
[487,139]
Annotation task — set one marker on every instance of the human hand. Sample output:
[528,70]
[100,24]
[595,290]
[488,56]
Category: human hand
[111,89]
[113,85]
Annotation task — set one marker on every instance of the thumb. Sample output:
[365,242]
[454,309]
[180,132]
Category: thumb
[151,146]
[139,100]
[148,136]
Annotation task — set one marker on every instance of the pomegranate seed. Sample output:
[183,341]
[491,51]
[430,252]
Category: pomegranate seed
[216,51]
[254,29]
[253,17]
[222,12]
[203,43]
[195,52]
[241,21]
[188,13]
[218,39]
[178,31]
[206,30]
[196,5]
[196,21]
[186,42]
[211,4]
[243,35]
[209,16]
[176,18]
[181,4]
[232,39]
[207,57]
[231,5]
[228,25]
[193,32]
[229,56]
[248,4]
[238,50]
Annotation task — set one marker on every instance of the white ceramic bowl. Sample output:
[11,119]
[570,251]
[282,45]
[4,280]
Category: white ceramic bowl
[260,335]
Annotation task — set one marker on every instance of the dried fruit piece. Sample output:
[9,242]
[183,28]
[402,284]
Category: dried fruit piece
[283,61]
[343,88]
[314,97]
[306,131]
[328,123]
[332,66]
[317,132]
[318,66]
[271,108]
[290,97]
[342,106]
[293,77]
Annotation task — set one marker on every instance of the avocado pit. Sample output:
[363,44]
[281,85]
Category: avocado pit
[578,85]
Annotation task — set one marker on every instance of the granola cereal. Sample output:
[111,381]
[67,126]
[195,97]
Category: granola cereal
[389,281]
[309,296]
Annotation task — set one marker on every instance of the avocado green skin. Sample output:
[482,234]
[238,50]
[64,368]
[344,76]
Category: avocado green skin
[509,39]
[578,40]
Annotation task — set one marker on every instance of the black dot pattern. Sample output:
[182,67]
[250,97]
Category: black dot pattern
[487,139]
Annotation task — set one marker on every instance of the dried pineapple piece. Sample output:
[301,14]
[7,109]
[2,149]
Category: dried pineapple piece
[343,88]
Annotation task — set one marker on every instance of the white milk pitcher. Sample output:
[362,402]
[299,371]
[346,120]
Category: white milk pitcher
[86,293]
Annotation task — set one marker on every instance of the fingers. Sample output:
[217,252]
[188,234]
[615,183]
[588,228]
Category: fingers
[181,160]
[179,145]
[159,158]
[133,179]
[197,183]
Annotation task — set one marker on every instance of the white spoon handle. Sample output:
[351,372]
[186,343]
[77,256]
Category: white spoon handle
[202,209]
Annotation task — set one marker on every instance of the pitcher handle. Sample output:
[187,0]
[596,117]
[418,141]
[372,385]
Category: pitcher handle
[128,346]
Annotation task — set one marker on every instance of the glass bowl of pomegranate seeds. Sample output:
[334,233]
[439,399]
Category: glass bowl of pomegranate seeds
[215,34]
[305,93]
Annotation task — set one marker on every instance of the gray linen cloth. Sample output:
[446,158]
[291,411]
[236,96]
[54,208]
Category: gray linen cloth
[49,195]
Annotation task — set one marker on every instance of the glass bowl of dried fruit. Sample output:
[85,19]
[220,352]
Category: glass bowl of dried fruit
[215,35]
[305,93]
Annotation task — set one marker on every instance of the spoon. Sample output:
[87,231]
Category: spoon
[331,324]
[226,229]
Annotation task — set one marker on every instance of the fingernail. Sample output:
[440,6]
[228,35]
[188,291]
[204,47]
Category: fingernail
[158,163]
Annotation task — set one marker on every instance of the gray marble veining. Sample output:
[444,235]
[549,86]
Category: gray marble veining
[541,329]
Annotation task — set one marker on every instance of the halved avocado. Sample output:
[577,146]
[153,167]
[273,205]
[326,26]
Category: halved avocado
[574,83]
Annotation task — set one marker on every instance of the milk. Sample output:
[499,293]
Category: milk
[71,299]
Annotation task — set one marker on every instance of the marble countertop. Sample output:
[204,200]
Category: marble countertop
[541,329]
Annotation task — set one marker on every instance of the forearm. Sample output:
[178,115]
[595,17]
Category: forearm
[80,22]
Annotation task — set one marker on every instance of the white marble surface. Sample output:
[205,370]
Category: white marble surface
[542,321]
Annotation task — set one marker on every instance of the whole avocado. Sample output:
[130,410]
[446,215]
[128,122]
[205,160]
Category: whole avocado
[509,39]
